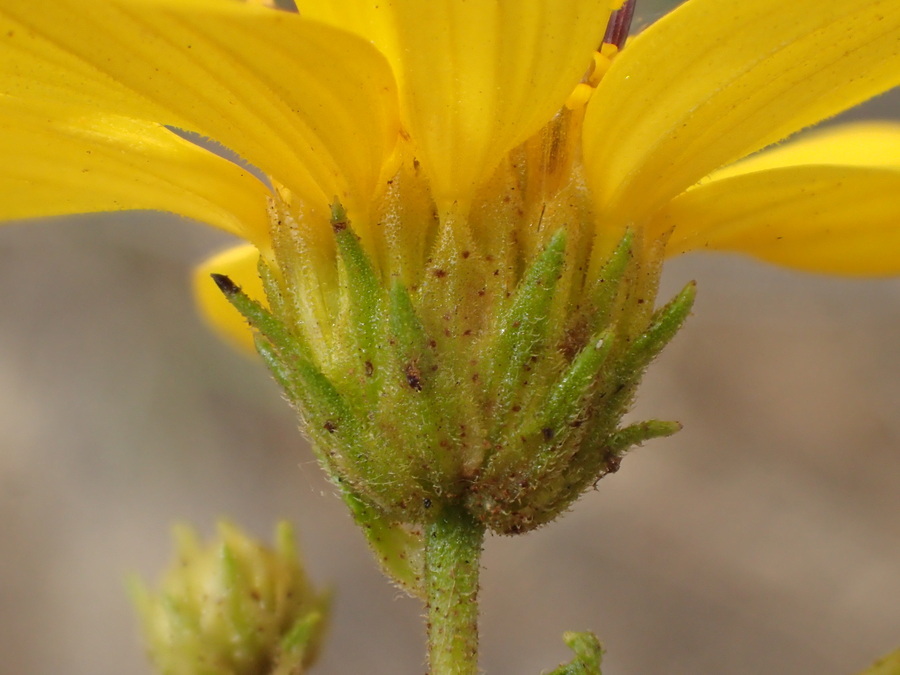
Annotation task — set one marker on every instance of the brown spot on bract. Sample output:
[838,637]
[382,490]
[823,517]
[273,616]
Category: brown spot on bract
[413,375]
[613,462]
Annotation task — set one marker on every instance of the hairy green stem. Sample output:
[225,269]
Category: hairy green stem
[452,562]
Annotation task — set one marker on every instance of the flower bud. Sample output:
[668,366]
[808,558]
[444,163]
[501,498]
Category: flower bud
[233,607]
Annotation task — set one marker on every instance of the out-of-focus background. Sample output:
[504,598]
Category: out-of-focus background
[764,538]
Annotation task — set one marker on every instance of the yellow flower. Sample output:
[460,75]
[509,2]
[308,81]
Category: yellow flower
[458,139]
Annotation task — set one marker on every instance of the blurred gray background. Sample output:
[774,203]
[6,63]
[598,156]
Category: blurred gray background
[764,538]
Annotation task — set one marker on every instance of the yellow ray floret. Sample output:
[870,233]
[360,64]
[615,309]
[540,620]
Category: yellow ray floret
[475,78]
[828,203]
[91,161]
[716,80]
[312,106]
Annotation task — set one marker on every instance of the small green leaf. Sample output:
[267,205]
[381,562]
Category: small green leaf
[638,433]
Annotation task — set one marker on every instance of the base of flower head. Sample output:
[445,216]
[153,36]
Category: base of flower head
[513,418]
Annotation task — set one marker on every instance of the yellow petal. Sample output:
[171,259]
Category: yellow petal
[240,265]
[832,219]
[716,80]
[312,106]
[865,144]
[786,214]
[91,161]
[476,78]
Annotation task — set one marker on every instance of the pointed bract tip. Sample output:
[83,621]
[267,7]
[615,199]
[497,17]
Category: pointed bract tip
[339,221]
[225,284]
[689,292]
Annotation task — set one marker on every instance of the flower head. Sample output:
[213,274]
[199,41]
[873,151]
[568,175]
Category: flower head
[467,203]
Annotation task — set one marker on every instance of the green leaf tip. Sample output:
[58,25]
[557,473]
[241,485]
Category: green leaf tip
[588,655]
[665,324]
[635,434]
